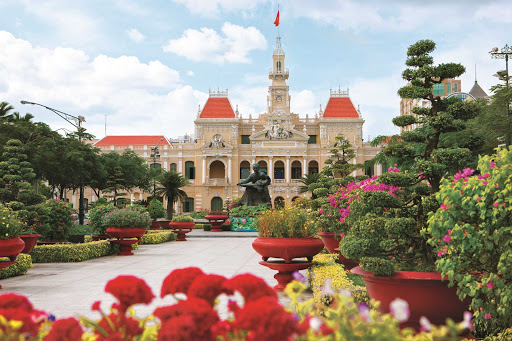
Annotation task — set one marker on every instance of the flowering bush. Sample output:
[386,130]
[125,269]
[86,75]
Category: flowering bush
[54,220]
[383,218]
[472,235]
[289,222]
[127,217]
[253,313]
[10,225]
[156,209]
[97,215]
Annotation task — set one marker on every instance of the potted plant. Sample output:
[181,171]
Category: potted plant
[471,236]
[11,244]
[287,233]
[97,221]
[78,232]
[128,225]
[156,210]
[216,219]
[182,224]
[30,237]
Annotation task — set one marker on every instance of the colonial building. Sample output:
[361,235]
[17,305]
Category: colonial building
[285,145]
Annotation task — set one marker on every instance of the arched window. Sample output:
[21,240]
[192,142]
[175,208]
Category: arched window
[279,170]
[278,66]
[245,170]
[312,167]
[263,166]
[172,167]
[217,170]
[279,202]
[188,205]
[190,170]
[217,204]
[296,170]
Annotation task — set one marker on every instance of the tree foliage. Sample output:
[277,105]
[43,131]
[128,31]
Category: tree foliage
[169,185]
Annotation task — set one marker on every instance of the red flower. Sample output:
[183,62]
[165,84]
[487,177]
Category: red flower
[250,286]
[29,325]
[129,290]
[208,287]
[125,328]
[96,306]
[266,319]
[179,280]
[179,329]
[196,310]
[65,330]
[15,301]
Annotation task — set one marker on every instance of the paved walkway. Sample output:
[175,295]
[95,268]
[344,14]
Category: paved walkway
[69,289]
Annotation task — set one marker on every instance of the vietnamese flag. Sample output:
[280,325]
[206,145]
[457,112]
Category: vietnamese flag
[276,22]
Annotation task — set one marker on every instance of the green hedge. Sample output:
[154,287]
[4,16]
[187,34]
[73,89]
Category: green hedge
[20,268]
[64,253]
[157,237]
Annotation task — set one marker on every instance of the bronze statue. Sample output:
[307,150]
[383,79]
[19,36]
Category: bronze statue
[256,188]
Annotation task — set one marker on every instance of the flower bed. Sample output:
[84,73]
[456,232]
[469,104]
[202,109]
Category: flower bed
[20,268]
[66,253]
[243,224]
[327,275]
[157,237]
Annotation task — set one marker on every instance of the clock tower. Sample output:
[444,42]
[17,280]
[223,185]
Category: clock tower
[278,99]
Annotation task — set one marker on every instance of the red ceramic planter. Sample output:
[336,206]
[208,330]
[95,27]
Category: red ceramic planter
[164,224]
[11,247]
[426,294]
[30,241]
[287,248]
[347,263]
[331,240]
[155,225]
[216,220]
[181,228]
[125,246]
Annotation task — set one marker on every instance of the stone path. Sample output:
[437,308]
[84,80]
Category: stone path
[69,289]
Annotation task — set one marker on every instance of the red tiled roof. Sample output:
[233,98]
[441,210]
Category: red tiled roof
[340,107]
[132,140]
[217,107]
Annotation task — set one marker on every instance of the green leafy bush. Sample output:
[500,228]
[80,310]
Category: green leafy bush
[182,219]
[157,238]
[156,209]
[54,220]
[127,217]
[289,222]
[247,211]
[20,268]
[10,224]
[472,235]
[66,253]
[96,217]
[77,229]
[199,214]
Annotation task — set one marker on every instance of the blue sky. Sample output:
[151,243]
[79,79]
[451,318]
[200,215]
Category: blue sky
[148,66]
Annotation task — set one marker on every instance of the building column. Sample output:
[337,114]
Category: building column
[379,169]
[270,167]
[141,196]
[73,200]
[132,198]
[204,169]
[229,169]
[93,197]
[354,173]
[180,165]
[287,169]
[305,166]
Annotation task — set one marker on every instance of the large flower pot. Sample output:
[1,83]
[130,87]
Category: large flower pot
[155,225]
[347,263]
[125,238]
[30,241]
[331,240]
[181,229]
[11,247]
[426,294]
[287,248]
[216,220]
[164,224]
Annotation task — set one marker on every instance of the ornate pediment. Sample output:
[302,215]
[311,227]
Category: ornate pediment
[217,143]
[289,135]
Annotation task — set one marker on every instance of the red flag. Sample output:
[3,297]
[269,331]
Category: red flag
[277,19]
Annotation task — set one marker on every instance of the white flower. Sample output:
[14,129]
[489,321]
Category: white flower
[327,289]
[467,323]
[425,324]
[400,309]
[315,323]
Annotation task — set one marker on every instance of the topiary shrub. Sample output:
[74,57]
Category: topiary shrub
[157,238]
[156,209]
[54,220]
[96,215]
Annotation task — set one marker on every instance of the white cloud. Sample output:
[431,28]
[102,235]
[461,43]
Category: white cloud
[213,7]
[139,98]
[207,45]
[135,35]
[304,102]
[190,73]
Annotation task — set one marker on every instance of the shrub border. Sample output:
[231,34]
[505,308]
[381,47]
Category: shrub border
[18,269]
[68,253]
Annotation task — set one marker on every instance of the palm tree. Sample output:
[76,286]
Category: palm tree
[5,110]
[307,180]
[170,186]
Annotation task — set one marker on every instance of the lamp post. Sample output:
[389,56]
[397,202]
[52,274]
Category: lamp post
[505,53]
[155,154]
[77,123]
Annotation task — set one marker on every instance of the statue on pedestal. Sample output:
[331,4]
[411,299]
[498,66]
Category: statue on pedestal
[256,188]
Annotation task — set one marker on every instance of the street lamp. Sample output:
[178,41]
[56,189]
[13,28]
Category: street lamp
[155,154]
[505,53]
[77,123]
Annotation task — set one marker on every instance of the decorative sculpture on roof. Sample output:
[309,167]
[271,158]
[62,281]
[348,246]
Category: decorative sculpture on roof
[216,142]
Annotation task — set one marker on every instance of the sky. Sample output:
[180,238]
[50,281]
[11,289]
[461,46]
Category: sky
[144,67]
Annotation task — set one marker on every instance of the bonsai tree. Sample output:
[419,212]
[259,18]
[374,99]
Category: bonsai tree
[388,215]
[156,209]
[338,163]
[471,235]
[170,184]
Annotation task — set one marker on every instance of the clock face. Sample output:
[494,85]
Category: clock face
[279,99]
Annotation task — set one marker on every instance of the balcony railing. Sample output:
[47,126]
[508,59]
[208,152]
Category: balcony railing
[217,182]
